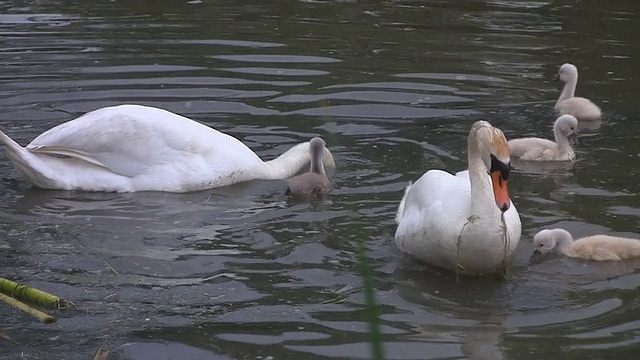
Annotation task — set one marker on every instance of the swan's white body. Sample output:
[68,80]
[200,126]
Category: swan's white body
[595,247]
[138,148]
[583,109]
[537,149]
[452,221]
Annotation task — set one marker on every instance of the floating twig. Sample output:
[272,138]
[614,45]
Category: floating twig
[507,249]
[470,219]
[110,267]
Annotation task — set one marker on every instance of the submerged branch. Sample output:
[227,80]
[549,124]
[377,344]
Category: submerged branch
[102,353]
[5,335]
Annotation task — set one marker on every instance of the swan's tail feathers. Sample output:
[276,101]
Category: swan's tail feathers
[29,165]
[402,202]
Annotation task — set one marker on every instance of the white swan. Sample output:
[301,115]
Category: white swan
[138,148]
[314,183]
[596,247]
[583,109]
[565,131]
[455,222]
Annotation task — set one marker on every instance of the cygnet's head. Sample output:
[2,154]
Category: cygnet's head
[316,145]
[568,126]
[567,72]
[547,239]
[494,150]
[316,151]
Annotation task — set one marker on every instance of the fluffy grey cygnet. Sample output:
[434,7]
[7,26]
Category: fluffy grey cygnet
[314,183]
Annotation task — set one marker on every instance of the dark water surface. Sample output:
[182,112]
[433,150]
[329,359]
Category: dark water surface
[393,87]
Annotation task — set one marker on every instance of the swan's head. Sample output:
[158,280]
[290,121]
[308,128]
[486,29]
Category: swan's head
[567,125]
[547,239]
[567,73]
[494,150]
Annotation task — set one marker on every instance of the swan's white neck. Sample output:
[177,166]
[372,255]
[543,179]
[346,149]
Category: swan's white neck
[569,89]
[481,190]
[288,164]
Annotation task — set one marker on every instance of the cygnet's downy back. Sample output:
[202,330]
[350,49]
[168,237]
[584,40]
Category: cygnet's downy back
[315,183]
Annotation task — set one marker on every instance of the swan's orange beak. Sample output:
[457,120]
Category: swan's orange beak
[499,174]
[500,191]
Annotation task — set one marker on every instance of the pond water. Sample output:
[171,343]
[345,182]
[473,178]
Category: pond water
[393,87]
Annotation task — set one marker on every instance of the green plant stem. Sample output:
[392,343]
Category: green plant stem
[32,294]
[377,344]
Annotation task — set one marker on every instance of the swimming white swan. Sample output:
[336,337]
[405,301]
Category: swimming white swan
[565,131]
[138,148]
[454,222]
[583,109]
[596,247]
[314,183]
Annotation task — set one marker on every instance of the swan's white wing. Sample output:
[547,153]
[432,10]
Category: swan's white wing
[435,209]
[130,139]
[77,154]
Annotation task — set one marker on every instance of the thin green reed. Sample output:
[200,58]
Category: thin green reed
[377,343]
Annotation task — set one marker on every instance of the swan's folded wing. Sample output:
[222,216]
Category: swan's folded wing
[464,174]
[76,154]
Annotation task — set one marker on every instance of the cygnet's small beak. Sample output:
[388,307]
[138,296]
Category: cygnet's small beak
[573,139]
[535,258]
[557,77]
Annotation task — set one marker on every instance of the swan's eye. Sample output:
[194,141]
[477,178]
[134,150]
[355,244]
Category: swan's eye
[497,165]
[541,245]
[572,128]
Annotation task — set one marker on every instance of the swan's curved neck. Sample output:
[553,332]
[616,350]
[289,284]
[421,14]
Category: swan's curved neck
[481,191]
[288,164]
[561,140]
[569,89]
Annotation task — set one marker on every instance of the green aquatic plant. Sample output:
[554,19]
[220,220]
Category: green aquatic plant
[377,343]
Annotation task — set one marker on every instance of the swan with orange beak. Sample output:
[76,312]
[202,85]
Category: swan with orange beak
[464,222]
